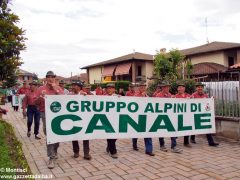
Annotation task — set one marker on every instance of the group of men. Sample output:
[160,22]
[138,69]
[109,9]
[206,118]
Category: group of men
[34,107]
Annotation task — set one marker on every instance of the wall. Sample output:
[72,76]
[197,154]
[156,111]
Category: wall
[238,56]
[228,127]
[149,70]
[214,57]
[95,73]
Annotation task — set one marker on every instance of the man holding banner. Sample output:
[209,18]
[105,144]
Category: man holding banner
[200,94]
[147,141]
[182,94]
[49,89]
[166,94]
[77,90]
[111,143]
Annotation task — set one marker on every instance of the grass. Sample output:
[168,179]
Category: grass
[11,154]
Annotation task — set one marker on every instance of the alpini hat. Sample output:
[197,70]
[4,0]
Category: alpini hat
[142,84]
[110,85]
[181,84]
[35,83]
[200,84]
[50,73]
[165,83]
[78,83]
[61,82]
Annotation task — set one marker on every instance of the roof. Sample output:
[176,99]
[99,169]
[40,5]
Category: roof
[207,68]
[23,72]
[210,47]
[136,55]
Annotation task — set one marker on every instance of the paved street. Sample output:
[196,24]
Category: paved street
[199,162]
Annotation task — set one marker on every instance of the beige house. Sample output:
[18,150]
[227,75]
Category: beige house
[223,53]
[207,59]
[135,67]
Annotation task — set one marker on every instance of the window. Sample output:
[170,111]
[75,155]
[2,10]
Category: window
[139,70]
[25,78]
[230,61]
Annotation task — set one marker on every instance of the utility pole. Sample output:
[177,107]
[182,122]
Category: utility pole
[206,24]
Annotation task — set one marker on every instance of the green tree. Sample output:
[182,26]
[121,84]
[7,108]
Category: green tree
[189,68]
[11,42]
[166,65]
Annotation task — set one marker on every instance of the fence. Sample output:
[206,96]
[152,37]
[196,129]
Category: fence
[227,97]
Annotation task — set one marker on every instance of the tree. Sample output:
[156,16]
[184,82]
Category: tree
[166,65]
[189,68]
[11,43]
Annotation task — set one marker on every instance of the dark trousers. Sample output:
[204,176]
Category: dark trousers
[76,148]
[9,98]
[33,113]
[111,146]
[147,142]
[186,140]
[15,108]
[173,142]
[209,138]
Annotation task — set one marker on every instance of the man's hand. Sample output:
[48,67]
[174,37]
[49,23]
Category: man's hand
[24,113]
[83,93]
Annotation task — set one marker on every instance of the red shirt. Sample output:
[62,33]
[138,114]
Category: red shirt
[197,95]
[29,99]
[184,95]
[164,95]
[155,93]
[23,90]
[140,94]
[130,93]
[40,102]
[99,91]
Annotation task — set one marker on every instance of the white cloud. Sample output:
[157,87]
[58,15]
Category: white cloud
[64,35]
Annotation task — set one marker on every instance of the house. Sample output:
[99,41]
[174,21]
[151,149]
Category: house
[25,76]
[224,53]
[134,67]
[82,77]
[213,59]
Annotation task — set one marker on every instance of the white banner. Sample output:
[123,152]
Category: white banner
[76,117]
[17,100]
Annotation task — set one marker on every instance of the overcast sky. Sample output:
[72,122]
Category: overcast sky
[65,35]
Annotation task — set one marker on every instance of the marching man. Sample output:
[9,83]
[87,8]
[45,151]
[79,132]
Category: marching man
[200,94]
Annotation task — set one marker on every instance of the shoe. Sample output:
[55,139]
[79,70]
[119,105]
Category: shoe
[36,137]
[28,133]
[214,144]
[176,150]
[193,141]
[150,153]
[135,148]
[50,164]
[163,148]
[87,157]
[76,155]
[187,145]
[114,156]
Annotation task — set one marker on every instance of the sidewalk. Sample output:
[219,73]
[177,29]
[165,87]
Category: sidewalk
[199,162]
